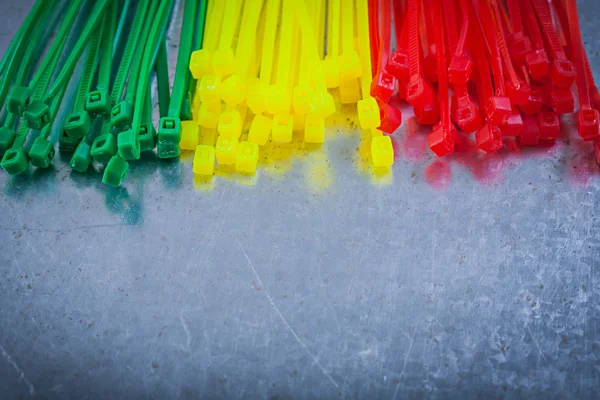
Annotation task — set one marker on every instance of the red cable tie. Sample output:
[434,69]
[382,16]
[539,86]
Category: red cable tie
[465,113]
[519,44]
[450,25]
[399,17]
[561,25]
[561,100]
[588,124]
[548,125]
[517,90]
[514,125]
[486,23]
[505,21]
[561,11]
[441,139]
[530,135]
[562,71]
[535,102]
[497,107]
[461,64]
[428,38]
[391,117]
[592,84]
[398,64]
[537,60]
[384,83]
[464,110]
[418,92]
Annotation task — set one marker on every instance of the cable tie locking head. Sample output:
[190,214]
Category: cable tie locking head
[460,69]
[489,138]
[548,125]
[383,86]
[465,112]
[514,125]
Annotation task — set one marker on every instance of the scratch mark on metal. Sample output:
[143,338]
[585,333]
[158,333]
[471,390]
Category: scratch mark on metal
[76,228]
[412,340]
[9,359]
[536,344]
[187,332]
[280,315]
[483,276]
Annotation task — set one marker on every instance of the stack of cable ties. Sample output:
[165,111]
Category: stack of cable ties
[256,73]
[268,65]
[501,69]
[112,49]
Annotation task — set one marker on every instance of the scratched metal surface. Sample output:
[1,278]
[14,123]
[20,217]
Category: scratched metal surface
[461,278]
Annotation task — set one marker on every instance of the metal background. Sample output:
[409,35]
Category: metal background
[472,276]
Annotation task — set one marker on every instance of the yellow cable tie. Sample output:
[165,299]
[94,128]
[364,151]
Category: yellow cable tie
[279,95]
[278,100]
[223,59]
[214,25]
[257,89]
[368,110]
[320,31]
[321,101]
[201,60]
[331,67]
[349,62]
[350,91]
[234,87]
[303,90]
[246,158]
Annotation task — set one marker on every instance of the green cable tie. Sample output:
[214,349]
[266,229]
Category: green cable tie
[21,100]
[104,146]
[82,157]
[39,38]
[147,133]
[128,142]
[32,19]
[38,112]
[186,107]
[42,150]
[98,101]
[79,122]
[169,129]
[136,68]
[128,53]
[122,111]
[20,96]
[183,57]
[65,74]
[162,78]
[83,154]
[64,31]
[121,25]
[16,159]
